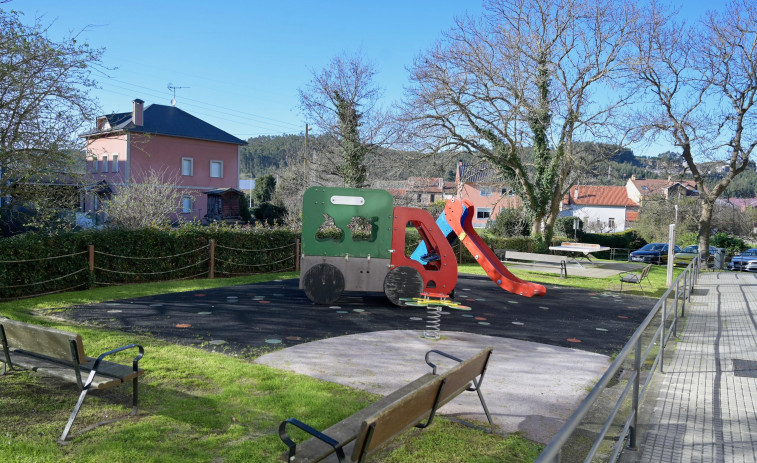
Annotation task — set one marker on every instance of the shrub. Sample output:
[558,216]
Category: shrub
[732,244]
[37,263]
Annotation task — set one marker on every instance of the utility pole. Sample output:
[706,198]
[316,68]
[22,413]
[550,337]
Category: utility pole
[305,157]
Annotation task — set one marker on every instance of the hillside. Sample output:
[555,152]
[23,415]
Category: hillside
[268,154]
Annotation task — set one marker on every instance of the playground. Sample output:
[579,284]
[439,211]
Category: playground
[547,350]
[363,317]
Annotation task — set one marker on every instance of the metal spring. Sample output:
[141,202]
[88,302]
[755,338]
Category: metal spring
[433,322]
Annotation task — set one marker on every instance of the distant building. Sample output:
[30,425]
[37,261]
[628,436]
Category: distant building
[124,147]
[600,208]
[641,189]
[486,189]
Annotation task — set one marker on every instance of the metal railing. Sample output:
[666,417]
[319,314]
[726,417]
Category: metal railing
[664,313]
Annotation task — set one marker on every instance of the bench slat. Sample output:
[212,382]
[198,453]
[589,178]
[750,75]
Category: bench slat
[513,255]
[109,374]
[403,414]
[394,413]
[47,341]
[417,406]
[460,376]
[315,450]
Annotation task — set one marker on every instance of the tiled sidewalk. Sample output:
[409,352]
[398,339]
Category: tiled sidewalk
[706,410]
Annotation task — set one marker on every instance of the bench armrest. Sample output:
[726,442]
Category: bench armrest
[443,354]
[135,362]
[313,432]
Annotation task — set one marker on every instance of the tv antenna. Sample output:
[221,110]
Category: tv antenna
[173,88]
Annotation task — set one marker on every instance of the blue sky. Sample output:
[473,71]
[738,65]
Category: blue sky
[242,62]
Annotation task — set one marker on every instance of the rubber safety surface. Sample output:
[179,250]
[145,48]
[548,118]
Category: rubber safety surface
[278,314]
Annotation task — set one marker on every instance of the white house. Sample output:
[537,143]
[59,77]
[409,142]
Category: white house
[601,208]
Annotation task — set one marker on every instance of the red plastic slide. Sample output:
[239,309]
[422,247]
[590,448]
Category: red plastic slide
[462,224]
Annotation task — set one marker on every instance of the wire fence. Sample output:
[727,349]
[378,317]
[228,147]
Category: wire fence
[24,278]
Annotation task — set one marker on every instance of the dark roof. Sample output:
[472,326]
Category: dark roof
[166,120]
[480,172]
[223,191]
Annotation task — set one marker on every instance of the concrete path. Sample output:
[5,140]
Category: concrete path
[529,387]
[707,405]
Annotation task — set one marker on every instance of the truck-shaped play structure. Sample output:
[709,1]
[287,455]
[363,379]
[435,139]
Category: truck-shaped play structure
[364,248]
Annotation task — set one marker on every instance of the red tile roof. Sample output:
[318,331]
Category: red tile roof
[599,196]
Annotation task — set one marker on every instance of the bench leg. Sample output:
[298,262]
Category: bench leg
[642,289]
[486,409]
[134,396]
[80,402]
[71,419]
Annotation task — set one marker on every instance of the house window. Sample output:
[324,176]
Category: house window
[433,198]
[418,198]
[187,167]
[611,222]
[186,204]
[216,169]
[115,163]
[487,191]
[483,213]
[105,162]
[96,165]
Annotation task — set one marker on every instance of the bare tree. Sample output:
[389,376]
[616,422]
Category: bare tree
[701,83]
[519,86]
[151,201]
[342,101]
[43,104]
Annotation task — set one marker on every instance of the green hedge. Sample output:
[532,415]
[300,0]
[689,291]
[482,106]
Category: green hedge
[30,264]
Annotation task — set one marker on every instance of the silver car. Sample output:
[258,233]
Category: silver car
[746,261]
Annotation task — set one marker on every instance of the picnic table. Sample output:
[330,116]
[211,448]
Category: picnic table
[578,251]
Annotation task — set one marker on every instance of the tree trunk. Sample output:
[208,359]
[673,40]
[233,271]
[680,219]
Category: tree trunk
[705,226]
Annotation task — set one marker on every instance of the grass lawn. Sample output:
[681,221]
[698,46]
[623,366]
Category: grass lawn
[657,278]
[198,406]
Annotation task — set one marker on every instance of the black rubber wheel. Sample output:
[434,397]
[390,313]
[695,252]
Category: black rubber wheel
[402,282]
[323,284]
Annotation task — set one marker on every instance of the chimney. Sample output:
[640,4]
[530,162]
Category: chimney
[633,177]
[575,193]
[137,113]
[670,178]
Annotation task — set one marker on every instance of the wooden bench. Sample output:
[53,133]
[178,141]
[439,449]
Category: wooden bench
[506,255]
[360,434]
[61,354]
[637,278]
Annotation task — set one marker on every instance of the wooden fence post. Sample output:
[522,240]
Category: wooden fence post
[91,259]
[297,255]
[211,266]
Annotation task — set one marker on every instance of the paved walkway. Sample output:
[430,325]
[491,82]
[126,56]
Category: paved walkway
[707,405]
[529,387]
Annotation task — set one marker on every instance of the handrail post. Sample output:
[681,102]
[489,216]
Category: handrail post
[686,289]
[635,398]
[675,310]
[211,264]
[663,311]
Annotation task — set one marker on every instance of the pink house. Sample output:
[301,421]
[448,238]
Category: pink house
[480,184]
[198,157]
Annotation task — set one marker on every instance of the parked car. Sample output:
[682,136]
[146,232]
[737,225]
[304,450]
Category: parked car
[690,252]
[746,261]
[652,253]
